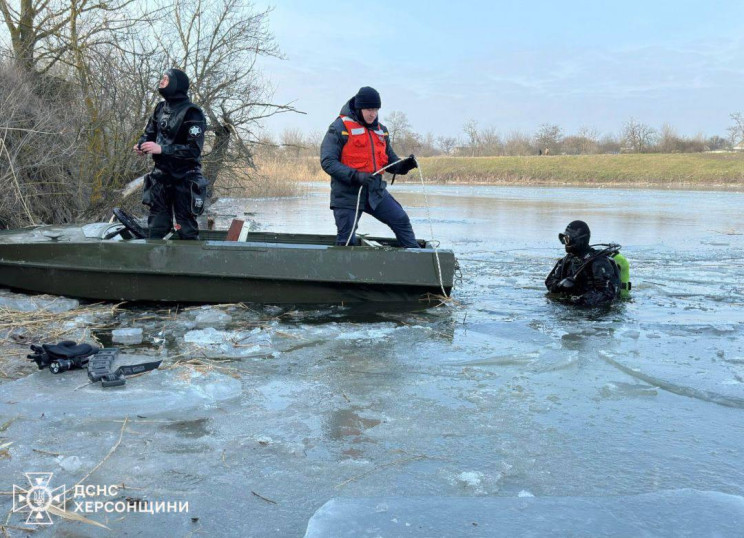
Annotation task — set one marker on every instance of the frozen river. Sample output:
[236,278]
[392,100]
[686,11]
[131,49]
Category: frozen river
[502,395]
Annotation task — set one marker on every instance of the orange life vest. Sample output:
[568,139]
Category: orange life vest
[366,149]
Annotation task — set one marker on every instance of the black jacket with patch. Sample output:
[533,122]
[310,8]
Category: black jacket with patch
[179,129]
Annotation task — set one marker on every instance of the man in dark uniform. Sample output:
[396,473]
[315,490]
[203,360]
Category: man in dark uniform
[174,136]
[586,276]
[354,148]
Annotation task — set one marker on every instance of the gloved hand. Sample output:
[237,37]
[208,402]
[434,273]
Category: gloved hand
[409,164]
[365,178]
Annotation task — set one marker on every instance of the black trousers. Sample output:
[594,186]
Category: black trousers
[388,211]
[165,199]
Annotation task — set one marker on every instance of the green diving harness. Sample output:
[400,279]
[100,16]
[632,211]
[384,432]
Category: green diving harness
[620,262]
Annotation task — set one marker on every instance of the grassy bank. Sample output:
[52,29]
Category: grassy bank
[283,177]
[673,170]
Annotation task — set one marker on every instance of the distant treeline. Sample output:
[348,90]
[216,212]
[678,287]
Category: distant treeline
[549,139]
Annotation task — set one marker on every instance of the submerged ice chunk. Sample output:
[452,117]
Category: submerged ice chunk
[212,318]
[665,513]
[127,336]
[215,343]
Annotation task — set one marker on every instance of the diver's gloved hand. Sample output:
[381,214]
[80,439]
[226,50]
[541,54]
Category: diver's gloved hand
[408,164]
[365,178]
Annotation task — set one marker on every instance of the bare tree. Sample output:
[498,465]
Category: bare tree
[293,142]
[398,126]
[736,131]
[609,144]
[489,142]
[46,32]
[717,143]
[518,143]
[218,44]
[471,132]
[447,144]
[548,138]
[638,137]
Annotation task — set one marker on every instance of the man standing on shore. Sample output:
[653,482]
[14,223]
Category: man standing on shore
[354,148]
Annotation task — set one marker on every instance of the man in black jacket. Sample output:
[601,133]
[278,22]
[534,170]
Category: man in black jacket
[585,276]
[174,136]
[354,148]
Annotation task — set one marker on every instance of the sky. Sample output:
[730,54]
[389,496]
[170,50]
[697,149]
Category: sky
[512,66]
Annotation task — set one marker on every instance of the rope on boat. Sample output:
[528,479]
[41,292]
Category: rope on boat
[433,241]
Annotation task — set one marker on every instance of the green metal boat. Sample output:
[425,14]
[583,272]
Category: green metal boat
[104,261]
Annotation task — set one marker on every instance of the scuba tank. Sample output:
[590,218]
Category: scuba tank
[624,267]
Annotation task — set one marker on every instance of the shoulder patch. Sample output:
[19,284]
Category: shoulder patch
[195,131]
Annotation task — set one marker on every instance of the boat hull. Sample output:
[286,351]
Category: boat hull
[277,272]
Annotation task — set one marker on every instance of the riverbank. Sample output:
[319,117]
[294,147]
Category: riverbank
[683,171]
[693,170]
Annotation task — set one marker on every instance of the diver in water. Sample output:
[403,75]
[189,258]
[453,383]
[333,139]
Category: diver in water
[585,276]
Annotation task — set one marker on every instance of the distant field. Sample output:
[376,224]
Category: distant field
[283,176]
[673,170]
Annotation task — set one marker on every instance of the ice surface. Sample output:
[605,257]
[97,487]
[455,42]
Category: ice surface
[680,513]
[27,303]
[503,396]
[70,394]
[127,336]
[211,342]
[212,317]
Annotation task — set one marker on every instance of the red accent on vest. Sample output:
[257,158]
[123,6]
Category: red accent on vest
[365,150]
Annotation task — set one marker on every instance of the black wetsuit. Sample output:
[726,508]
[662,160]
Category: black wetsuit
[177,125]
[598,283]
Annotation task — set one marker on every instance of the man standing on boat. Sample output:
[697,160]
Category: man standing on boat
[174,136]
[585,276]
[354,148]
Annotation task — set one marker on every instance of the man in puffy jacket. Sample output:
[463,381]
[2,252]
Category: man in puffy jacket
[174,136]
[354,148]
[585,276]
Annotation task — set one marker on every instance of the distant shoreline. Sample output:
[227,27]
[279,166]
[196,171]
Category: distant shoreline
[681,171]
[724,187]
[673,171]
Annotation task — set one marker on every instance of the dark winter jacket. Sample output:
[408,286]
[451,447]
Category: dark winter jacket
[597,283]
[344,189]
[181,144]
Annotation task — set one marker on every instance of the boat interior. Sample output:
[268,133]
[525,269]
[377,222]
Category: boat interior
[239,231]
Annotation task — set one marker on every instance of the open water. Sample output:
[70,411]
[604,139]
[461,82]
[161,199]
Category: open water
[502,394]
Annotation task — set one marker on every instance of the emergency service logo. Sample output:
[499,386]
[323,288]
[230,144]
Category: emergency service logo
[38,498]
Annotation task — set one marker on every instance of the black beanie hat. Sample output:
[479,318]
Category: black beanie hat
[367,97]
[178,85]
